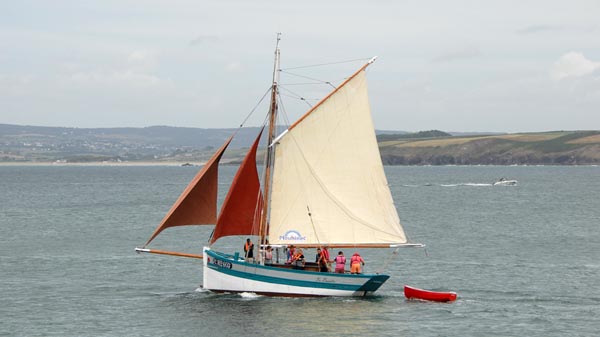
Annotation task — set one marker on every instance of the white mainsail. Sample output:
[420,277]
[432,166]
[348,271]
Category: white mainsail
[329,163]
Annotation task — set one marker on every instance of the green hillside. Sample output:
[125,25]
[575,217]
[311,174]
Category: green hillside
[34,144]
[548,148]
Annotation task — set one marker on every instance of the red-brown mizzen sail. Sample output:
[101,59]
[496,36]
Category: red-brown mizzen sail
[197,205]
[243,203]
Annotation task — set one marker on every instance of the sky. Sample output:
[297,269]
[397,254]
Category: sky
[461,66]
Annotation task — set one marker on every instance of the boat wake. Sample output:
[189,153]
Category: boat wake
[467,184]
[507,183]
[249,295]
[453,185]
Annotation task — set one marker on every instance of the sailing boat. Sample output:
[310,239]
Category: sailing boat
[323,185]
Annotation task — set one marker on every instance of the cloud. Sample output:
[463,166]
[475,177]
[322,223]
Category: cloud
[137,56]
[109,78]
[459,54]
[203,39]
[233,67]
[573,64]
[540,29]
[15,85]
[142,61]
[563,29]
[134,70]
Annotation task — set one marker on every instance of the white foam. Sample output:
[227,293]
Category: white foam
[200,289]
[249,295]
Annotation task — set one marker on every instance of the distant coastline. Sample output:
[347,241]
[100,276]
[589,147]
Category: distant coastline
[107,164]
[173,146]
[541,148]
[198,165]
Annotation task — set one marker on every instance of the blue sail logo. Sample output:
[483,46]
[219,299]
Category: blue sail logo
[292,235]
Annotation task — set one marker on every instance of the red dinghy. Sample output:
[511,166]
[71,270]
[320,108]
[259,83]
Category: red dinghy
[421,294]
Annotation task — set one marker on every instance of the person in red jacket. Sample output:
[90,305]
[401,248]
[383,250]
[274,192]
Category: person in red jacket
[355,263]
[322,260]
[327,257]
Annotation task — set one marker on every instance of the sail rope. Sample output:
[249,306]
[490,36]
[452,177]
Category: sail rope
[295,95]
[283,114]
[300,83]
[282,111]
[315,80]
[327,64]
[309,78]
[255,107]
[292,94]
[387,261]
[313,225]
[257,209]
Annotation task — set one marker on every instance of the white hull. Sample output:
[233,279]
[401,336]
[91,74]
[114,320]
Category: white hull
[224,273]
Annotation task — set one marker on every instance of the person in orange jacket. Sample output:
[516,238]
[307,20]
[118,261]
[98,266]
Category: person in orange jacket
[355,263]
[249,250]
[298,260]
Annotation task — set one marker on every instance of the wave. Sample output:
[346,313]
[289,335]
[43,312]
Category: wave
[249,295]
[451,185]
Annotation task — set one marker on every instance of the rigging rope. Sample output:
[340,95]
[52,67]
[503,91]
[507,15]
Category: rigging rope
[255,107]
[298,97]
[327,64]
[387,261]
[310,78]
[313,225]
[315,81]
[283,111]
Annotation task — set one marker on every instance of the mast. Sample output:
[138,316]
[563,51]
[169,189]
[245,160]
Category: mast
[263,227]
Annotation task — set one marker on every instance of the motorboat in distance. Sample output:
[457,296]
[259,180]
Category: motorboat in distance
[505,182]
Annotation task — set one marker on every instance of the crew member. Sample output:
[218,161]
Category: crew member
[322,260]
[340,263]
[298,260]
[249,250]
[355,263]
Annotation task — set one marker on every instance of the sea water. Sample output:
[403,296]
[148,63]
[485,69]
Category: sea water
[524,260]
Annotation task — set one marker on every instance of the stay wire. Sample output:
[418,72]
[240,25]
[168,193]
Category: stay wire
[309,78]
[256,106]
[283,112]
[387,261]
[327,64]
[294,95]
